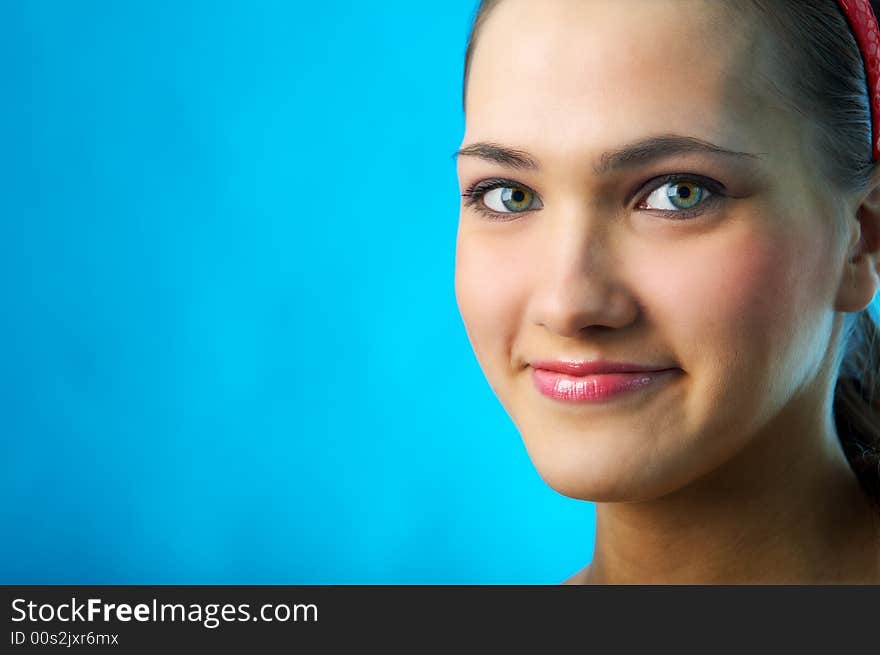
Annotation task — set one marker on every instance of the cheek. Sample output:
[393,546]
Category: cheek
[712,287]
[488,287]
[739,304]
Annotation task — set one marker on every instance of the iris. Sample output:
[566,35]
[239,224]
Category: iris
[516,198]
[684,195]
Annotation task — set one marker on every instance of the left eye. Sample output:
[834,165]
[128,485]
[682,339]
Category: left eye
[675,196]
[507,199]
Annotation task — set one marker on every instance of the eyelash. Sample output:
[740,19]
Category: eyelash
[474,194]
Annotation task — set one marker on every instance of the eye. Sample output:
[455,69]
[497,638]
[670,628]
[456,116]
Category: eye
[509,199]
[680,193]
[498,199]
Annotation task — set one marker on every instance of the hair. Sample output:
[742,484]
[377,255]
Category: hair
[824,81]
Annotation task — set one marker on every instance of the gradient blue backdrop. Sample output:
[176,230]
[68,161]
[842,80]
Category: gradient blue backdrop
[231,350]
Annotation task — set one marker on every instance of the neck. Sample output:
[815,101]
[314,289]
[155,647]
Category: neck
[786,510]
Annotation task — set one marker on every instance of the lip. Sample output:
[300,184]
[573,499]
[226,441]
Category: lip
[595,381]
[593,367]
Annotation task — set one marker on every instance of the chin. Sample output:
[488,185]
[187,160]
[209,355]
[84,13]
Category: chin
[607,489]
[609,477]
[602,493]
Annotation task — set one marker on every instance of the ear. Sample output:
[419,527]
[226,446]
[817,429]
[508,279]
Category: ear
[860,278]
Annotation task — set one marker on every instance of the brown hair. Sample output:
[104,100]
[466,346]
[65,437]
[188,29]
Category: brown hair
[823,81]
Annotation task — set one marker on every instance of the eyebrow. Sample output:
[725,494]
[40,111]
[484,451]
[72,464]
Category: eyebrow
[634,154]
[498,154]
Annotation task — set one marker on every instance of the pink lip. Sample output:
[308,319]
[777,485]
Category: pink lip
[594,381]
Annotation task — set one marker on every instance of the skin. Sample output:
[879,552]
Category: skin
[730,471]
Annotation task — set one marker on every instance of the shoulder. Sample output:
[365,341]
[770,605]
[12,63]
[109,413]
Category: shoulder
[578,578]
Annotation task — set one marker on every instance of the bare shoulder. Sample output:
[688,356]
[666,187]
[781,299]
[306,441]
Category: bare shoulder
[578,578]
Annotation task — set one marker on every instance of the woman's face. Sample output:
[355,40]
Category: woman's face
[725,274]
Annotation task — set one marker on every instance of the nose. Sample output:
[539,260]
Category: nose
[582,285]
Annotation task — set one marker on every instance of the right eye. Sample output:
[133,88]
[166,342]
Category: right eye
[499,199]
[510,199]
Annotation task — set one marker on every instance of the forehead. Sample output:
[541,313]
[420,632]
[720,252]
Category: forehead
[563,73]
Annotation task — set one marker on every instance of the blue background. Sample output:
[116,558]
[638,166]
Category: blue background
[231,349]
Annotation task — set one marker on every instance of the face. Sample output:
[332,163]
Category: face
[666,217]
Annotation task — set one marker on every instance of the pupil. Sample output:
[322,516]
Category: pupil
[518,196]
[684,192]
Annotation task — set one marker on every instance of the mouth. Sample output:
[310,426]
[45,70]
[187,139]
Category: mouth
[596,381]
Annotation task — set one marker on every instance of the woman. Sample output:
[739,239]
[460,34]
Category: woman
[668,244]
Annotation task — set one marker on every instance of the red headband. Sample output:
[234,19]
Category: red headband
[863,24]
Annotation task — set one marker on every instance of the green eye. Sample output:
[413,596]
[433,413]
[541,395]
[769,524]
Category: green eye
[509,199]
[516,199]
[676,196]
[684,195]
